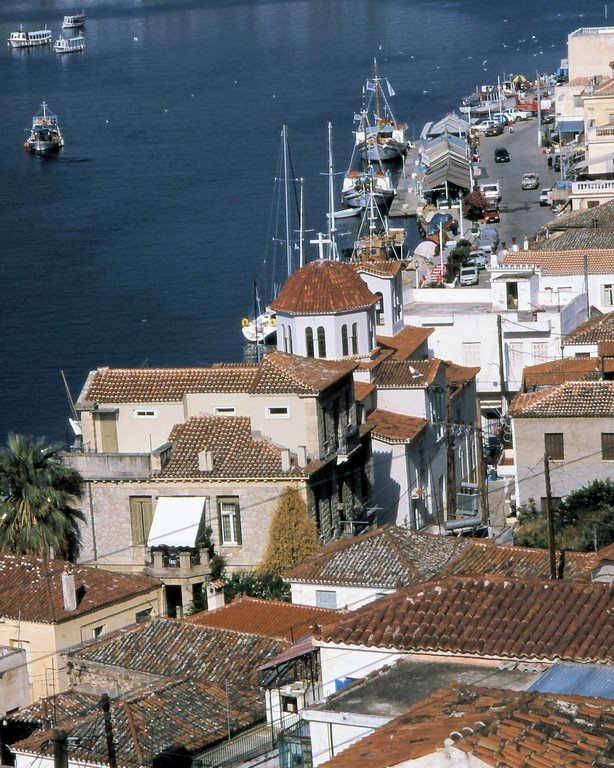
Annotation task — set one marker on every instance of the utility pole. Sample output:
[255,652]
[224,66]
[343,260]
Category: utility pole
[539,112]
[105,705]
[550,512]
[501,362]
[450,461]
[482,480]
[60,751]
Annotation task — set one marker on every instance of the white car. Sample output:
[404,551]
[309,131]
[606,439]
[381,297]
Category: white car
[544,197]
[518,114]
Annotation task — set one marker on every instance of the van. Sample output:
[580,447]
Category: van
[469,275]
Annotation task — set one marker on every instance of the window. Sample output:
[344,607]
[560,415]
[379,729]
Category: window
[326,598]
[554,445]
[309,342]
[608,294]
[229,520]
[577,101]
[289,704]
[471,353]
[515,349]
[379,309]
[141,516]
[345,348]
[224,410]
[607,446]
[321,341]
[354,338]
[290,340]
[97,631]
[511,290]
[146,413]
[284,337]
[539,352]
[277,412]
[144,615]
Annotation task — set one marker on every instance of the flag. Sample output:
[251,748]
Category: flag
[370,85]
[391,91]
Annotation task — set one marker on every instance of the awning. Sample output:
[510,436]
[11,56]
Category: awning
[569,125]
[451,171]
[594,160]
[176,521]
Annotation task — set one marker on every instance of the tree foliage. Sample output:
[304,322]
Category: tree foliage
[474,204]
[267,586]
[38,493]
[583,522]
[293,537]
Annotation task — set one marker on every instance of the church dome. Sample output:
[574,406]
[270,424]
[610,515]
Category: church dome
[323,287]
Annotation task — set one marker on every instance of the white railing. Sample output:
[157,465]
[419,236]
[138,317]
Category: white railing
[596,187]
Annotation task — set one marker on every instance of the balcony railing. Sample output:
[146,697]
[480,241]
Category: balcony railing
[109,466]
[171,563]
[595,188]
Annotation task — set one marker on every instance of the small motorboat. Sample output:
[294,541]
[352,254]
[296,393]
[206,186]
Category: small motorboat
[45,135]
[74,21]
[69,44]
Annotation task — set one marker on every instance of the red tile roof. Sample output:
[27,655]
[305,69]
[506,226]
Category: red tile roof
[586,399]
[406,342]
[378,268]
[278,373]
[235,452]
[404,374]
[567,369]
[490,616]
[485,557]
[362,390]
[396,427]
[269,618]
[62,706]
[563,262]
[323,287]
[502,729]
[182,714]
[384,557]
[457,374]
[31,589]
[594,330]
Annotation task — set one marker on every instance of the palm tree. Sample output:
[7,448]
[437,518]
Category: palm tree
[38,492]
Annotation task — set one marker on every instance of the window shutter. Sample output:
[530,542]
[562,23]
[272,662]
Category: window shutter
[147,514]
[135,522]
[238,534]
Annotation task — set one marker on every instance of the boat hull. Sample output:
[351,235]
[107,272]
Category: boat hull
[387,152]
[69,49]
[28,43]
[43,147]
[263,330]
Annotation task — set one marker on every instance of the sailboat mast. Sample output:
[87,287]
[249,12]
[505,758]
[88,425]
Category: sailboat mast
[377,90]
[332,230]
[301,231]
[284,134]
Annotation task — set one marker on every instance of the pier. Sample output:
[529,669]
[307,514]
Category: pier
[406,200]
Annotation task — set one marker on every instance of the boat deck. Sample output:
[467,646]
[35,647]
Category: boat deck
[406,200]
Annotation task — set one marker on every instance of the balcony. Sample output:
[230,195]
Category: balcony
[171,563]
[592,190]
[348,442]
[110,466]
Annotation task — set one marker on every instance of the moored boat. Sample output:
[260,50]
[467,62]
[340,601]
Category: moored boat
[23,39]
[45,135]
[69,44]
[261,330]
[360,188]
[73,21]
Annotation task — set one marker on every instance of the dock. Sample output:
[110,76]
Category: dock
[406,201]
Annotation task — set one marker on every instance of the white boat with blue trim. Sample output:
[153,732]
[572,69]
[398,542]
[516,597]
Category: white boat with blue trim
[69,44]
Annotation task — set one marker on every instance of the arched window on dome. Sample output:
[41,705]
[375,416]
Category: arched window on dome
[321,341]
[284,340]
[290,352]
[309,342]
[354,338]
[379,309]
[345,349]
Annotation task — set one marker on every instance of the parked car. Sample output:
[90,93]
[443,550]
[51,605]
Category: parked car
[518,114]
[547,119]
[491,212]
[502,155]
[469,275]
[485,125]
[557,163]
[530,181]
[544,197]
[494,130]
[489,239]
[477,259]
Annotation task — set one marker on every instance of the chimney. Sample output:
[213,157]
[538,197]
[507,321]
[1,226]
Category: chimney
[69,592]
[215,595]
[286,464]
[301,453]
[205,461]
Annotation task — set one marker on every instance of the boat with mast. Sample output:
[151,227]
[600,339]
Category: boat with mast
[361,186]
[385,140]
[262,328]
[45,135]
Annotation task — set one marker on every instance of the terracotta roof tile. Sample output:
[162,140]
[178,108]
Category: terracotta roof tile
[323,287]
[183,714]
[362,390]
[592,331]
[566,369]
[491,616]
[600,217]
[415,374]
[606,88]
[384,557]
[378,268]
[503,729]
[396,427]
[592,242]
[605,349]
[236,454]
[457,374]
[406,342]
[31,588]
[62,706]
[559,262]
[485,557]
[585,399]
[172,647]
[269,618]
[278,373]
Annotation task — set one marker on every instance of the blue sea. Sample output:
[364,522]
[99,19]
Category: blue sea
[139,243]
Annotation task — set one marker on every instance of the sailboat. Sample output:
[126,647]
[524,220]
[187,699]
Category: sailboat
[262,327]
[369,184]
[376,240]
[385,141]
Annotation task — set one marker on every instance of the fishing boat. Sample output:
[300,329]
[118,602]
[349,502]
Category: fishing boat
[385,140]
[45,135]
[361,188]
[74,21]
[69,44]
[23,39]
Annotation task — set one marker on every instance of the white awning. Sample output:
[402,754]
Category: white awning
[176,521]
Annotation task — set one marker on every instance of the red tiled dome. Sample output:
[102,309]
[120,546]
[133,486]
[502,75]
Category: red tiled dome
[323,287]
